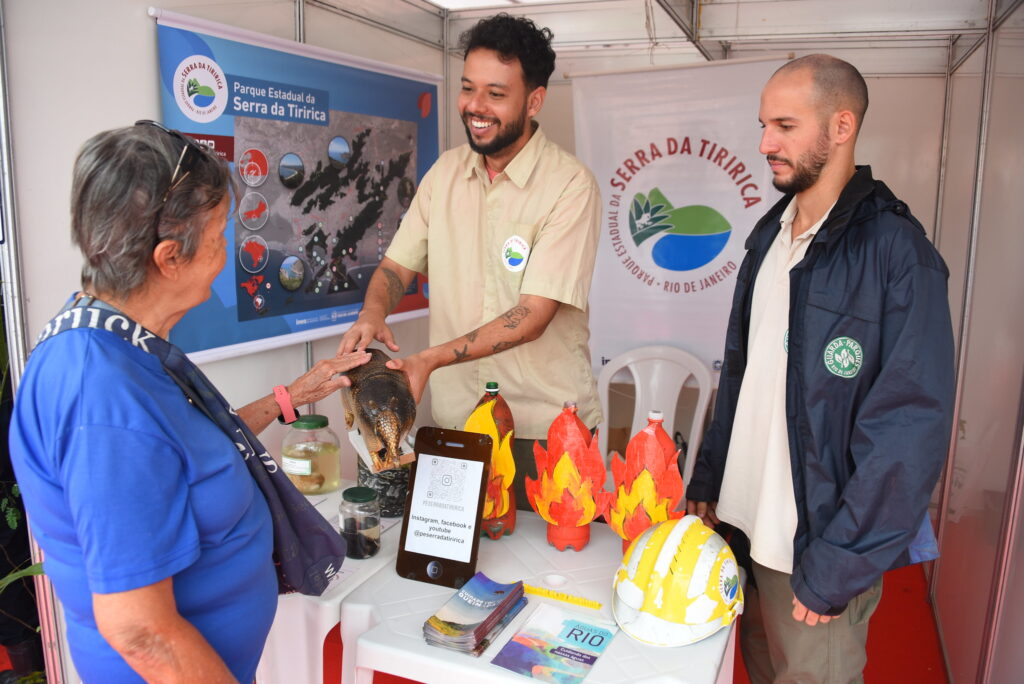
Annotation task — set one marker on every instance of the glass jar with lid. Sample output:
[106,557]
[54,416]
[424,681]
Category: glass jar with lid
[310,455]
[359,513]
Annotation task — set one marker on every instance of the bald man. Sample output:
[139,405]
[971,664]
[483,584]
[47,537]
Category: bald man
[836,397]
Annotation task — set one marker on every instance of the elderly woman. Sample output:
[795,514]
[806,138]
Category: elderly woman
[156,538]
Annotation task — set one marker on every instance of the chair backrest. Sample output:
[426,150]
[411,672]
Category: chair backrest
[659,373]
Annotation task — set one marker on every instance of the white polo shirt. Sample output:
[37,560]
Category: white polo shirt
[757,487]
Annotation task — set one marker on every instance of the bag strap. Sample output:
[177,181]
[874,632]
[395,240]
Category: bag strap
[307,549]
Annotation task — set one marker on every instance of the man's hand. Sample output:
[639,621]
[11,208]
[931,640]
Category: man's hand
[366,329]
[323,378]
[802,614]
[385,291]
[418,369]
[704,510]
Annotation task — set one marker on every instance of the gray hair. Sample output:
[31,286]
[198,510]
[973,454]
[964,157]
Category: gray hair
[837,84]
[121,206]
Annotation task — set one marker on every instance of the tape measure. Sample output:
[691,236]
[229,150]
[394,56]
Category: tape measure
[562,596]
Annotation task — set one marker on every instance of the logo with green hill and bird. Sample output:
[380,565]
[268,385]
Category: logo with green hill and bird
[686,237]
[200,88]
[202,95]
[514,253]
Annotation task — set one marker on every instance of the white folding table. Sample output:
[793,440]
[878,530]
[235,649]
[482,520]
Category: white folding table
[382,619]
[294,650]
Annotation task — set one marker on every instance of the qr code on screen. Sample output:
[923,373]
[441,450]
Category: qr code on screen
[447,478]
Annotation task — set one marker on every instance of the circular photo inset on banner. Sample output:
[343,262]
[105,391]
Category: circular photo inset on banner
[338,151]
[291,171]
[253,211]
[253,254]
[292,273]
[406,190]
[253,167]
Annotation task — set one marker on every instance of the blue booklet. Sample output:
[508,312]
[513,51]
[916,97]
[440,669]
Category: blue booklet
[556,645]
[477,612]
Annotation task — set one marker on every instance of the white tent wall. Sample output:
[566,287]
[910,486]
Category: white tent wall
[958,185]
[76,68]
[978,596]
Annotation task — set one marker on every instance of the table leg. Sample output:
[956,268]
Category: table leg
[354,622]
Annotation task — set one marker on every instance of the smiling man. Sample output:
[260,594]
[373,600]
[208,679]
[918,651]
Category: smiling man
[835,400]
[506,228]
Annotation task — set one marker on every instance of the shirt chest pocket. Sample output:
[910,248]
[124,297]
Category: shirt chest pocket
[842,331]
[847,304]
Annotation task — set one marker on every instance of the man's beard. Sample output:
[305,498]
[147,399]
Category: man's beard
[507,135]
[806,170]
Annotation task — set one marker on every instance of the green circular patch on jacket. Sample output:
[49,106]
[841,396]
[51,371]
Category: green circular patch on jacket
[844,357]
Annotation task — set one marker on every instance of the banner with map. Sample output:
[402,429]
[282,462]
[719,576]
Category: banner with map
[327,151]
[676,156]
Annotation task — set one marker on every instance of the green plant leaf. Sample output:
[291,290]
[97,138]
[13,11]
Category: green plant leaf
[13,516]
[34,569]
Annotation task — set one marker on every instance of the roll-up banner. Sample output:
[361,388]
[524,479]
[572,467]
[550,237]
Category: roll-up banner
[326,151]
[675,153]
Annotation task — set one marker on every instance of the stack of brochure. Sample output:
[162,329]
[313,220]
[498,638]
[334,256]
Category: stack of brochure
[475,615]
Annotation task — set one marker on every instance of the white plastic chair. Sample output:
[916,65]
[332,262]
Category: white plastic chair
[659,373]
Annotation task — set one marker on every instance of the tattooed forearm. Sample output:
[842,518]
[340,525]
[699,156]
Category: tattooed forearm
[461,354]
[473,335]
[395,289]
[502,346]
[514,316]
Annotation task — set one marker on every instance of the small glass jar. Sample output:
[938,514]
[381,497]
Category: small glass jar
[359,514]
[310,455]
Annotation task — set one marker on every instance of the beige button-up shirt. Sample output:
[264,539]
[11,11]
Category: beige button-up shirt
[757,487]
[532,230]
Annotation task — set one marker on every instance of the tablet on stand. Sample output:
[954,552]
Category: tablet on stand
[444,506]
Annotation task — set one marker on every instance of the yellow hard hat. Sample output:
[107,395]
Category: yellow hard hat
[678,583]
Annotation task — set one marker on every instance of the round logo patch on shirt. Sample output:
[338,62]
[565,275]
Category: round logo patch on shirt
[844,357]
[514,253]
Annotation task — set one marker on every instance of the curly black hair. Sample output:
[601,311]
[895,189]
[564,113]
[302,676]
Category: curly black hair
[514,38]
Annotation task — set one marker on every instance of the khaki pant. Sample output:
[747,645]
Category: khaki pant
[777,648]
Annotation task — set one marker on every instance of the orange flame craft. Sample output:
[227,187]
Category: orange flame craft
[648,486]
[569,491]
[493,417]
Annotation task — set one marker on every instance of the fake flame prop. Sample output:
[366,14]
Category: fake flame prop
[503,466]
[569,491]
[648,486]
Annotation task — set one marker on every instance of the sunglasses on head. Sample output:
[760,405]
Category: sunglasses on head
[191,151]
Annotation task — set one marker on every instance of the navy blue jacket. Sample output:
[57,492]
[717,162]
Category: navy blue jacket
[868,438]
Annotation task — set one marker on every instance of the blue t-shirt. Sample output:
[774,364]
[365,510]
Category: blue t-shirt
[127,484]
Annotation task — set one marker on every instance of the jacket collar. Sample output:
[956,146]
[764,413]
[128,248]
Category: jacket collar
[857,189]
